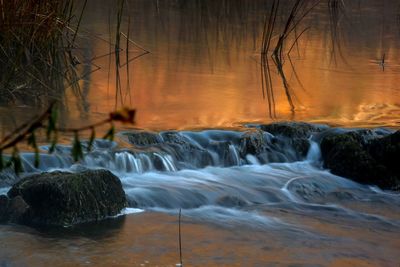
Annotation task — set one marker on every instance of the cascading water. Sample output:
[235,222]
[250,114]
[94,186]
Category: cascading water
[252,179]
[172,170]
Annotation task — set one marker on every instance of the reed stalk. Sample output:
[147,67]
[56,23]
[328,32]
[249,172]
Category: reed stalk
[298,12]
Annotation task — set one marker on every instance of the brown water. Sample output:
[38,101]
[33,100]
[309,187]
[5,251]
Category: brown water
[204,65]
[126,242]
[203,71]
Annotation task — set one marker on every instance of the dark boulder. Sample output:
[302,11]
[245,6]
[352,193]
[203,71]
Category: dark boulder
[12,209]
[61,198]
[358,156]
[386,151]
[345,155]
[17,208]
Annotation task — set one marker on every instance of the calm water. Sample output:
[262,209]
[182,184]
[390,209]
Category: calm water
[203,71]
[204,65]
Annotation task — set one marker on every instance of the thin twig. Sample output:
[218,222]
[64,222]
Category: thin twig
[180,239]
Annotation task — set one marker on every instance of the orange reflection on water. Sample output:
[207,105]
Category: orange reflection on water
[208,75]
[151,239]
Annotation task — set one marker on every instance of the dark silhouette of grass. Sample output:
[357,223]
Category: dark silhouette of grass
[40,52]
[122,5]
[268,31]
[37,44]
[298,12]
[336,9]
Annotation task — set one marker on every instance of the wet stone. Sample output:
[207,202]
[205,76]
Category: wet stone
[63,199]
[4,203]
[143,138]
[252,143]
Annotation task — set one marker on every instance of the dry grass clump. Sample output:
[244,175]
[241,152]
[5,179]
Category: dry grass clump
[36,43]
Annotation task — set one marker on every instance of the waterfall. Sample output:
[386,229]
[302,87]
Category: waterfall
[173,151]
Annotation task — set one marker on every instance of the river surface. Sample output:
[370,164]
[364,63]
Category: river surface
[203,69]
[203,72]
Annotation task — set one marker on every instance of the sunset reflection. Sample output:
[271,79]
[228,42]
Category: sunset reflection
[195,77]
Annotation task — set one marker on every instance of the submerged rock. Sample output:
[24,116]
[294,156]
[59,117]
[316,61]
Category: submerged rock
[291,140]
[300,146]
[187,153]
[178,147]
[231,202]
[269,148]
[224,150]
[61,198]
[362,158]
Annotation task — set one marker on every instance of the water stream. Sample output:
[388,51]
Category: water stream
[278,207]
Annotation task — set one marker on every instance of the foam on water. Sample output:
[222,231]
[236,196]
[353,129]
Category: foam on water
[127,211]
[4,190]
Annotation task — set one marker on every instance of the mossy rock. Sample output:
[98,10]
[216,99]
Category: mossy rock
[252,142]
[62,198]
[345,156]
